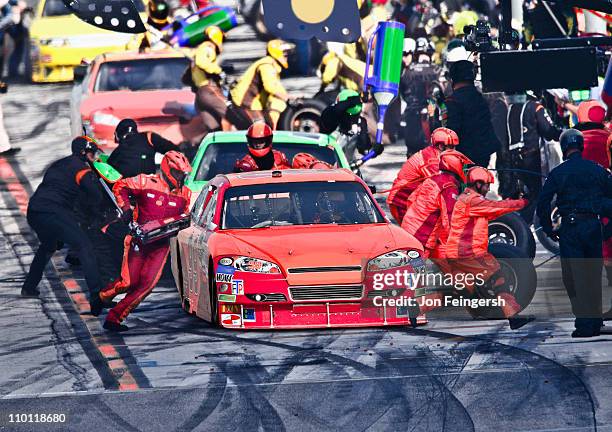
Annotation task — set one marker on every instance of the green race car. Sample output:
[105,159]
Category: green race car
[219,151]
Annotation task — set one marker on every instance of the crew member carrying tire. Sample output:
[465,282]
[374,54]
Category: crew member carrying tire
[156,196]
[261,155]
[259,93]
[205,76]
[420,166]
[467,245]
[431,205]
[344,119]
[135,153]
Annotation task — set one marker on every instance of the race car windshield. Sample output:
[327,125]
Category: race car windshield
[286,204]
[220,158]
[57,8]
[142,75]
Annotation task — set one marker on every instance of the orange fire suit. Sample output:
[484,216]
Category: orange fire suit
[429,212]
[421,165]
[248,162]
[142,265]
[468,239]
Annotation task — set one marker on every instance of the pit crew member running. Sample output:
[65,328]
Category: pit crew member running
[157,197]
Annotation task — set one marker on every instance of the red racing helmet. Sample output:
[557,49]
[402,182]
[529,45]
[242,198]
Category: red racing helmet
[175,168]
[478,173]
[444,137]
[259,139]
[454,161]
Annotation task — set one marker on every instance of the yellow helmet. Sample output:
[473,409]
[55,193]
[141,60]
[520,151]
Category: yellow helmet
[279,50]
[216,36]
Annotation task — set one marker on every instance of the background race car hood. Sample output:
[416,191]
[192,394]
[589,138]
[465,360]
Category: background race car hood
[70,25]
[312,246]
[136,105]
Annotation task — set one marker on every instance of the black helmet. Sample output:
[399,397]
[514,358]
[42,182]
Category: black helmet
[571,139]
[83,145]
[462,70]
[124,128]
[158,11]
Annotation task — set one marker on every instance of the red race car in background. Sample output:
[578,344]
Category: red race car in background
[133,85]
[292,249]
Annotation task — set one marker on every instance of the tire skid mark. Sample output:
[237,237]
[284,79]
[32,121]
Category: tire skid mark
[120,376]
[533,360]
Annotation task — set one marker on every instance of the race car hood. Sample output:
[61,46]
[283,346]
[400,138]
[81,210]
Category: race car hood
[136,105]
[315,247]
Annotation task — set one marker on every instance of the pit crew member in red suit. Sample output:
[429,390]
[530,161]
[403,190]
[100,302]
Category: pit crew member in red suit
[156,197]
[261,156]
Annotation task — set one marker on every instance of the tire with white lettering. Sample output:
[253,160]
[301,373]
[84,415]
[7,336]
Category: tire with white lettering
[520,279]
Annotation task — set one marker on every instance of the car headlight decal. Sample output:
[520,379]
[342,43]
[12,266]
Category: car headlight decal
[255,265]
[393,259]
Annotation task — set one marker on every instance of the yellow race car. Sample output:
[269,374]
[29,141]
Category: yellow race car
[59,41]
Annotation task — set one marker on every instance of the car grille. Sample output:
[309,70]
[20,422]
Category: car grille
[326,292]
[275,297]
[324,269]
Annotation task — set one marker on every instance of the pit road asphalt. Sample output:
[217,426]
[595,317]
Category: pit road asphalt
[173,372]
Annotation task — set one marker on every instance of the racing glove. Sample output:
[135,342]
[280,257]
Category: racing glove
[378,148]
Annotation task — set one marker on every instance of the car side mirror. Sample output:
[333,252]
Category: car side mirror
[372,188]
[79,73]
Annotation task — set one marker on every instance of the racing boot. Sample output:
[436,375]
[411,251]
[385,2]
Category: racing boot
[96,305]
[29,293]
[115,327]
[517,321]
[413,312]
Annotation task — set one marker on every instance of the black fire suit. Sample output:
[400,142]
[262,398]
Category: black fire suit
[581,187]
[353,127]
[136,153]
[51,215]
[526,124]
[469,116]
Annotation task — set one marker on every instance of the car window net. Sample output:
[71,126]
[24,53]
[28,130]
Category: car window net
[284,204]
[220,158]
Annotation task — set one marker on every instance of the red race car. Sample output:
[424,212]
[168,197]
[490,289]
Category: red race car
[293,249]
[141,86]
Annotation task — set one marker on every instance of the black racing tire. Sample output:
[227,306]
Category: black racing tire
[328,97]
[302,116]
[512,229]
[214,312]
[549,244]
[519,273]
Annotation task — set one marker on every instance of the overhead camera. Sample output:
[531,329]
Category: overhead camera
[478,37]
